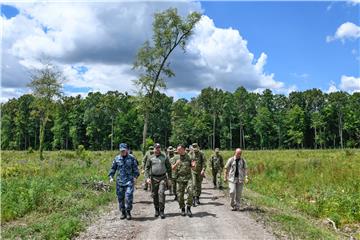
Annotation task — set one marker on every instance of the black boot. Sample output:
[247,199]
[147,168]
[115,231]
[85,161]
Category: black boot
[183,212]
[162,214]
[175,199]
[128,215]
[197,199]
[188,211]
[194,203]
[157,213]
[123,214]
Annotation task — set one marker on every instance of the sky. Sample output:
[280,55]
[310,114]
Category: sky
[278,45]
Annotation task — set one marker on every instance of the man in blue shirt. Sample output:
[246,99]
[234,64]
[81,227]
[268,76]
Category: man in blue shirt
[128,171]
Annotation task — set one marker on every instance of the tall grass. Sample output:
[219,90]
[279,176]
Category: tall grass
[320,183]
[49,199]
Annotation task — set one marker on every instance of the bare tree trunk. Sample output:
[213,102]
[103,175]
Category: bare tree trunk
[146,121]
[230,135]
[214,123]
[243,136]
[41,137]
[341,130]
[315,140]
[112,133]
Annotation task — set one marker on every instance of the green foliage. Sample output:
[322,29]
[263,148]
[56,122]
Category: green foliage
[49,199]
[252,121]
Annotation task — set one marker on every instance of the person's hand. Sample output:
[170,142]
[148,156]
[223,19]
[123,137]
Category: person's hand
[148,181]
[193,163]
[142,171]
[246,179]
[111,180]
[202,173]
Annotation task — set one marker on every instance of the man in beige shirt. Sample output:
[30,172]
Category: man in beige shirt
[236,173]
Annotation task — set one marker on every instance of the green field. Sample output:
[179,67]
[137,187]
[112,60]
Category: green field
[52,199]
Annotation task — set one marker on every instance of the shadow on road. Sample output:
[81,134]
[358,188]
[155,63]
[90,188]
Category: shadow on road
[212,203]
[143,219]
[203,214]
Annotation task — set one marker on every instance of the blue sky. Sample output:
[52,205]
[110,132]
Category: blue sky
[293,34]
[283,46]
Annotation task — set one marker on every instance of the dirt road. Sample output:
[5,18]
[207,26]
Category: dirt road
[213,219]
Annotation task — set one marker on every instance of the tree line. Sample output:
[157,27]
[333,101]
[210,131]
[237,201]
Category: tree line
[215,118]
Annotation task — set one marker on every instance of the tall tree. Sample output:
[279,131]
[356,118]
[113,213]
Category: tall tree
[46,84]
[169,31]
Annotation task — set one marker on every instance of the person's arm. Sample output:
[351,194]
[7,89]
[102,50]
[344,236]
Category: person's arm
[135,168]
[226,170]
[245,170]
[112,170]
[168,167]
[147,169]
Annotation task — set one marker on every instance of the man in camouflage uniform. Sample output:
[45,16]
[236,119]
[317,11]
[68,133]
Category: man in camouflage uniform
[128,171]
[172,189]
[198,172]
[182,168]
[217,165]
[157,166]
[146,157]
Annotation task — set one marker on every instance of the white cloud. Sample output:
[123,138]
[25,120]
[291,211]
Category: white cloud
[332,87]
[350,84]
[346,30]
[354,2]
[225,60]
[104,38]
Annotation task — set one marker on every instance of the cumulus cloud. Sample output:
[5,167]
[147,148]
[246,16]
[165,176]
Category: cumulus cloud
[332,87]
[104,39]
[346,30]
[350,83]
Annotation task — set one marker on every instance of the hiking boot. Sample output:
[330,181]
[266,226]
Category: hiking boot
[183,212]
[128,215]
[157,213]
[188,211]
[175,199]
[123,214]
[162,214]
[197,199]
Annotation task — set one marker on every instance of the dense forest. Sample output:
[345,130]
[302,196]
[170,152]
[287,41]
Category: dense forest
[215,118]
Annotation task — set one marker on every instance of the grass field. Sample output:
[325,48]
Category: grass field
[319,184]
[51,199]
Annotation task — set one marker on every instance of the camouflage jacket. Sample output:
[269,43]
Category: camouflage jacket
[217,162]
[200,160]
[183,170]
[127,169]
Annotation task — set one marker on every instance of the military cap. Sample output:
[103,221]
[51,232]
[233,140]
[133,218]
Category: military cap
[157,145]
[123,146]
[217,149]
[170,149]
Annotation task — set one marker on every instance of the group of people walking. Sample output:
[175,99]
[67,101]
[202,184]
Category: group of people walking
[179,170]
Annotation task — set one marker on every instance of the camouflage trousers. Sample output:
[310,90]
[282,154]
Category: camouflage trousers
[125,196]
[183,186]
[173,186]
[217,177]
[158,187]
[196,181]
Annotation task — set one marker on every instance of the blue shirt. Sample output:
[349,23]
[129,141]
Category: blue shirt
[127,169]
